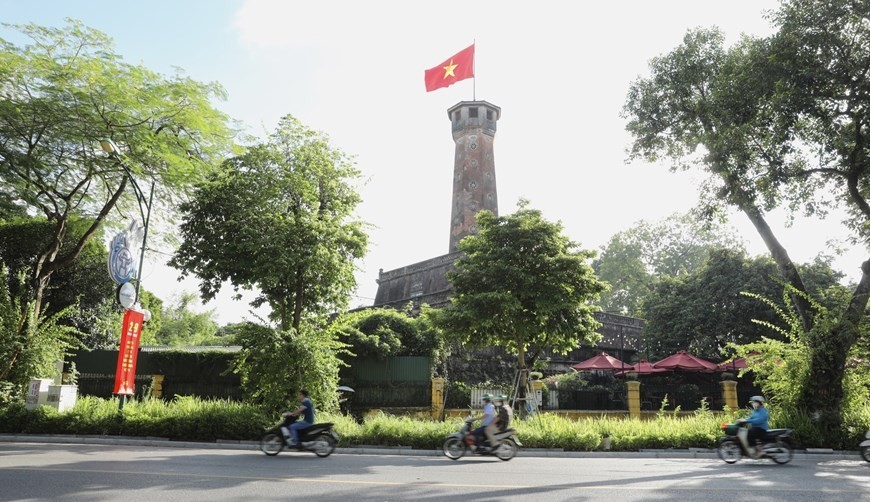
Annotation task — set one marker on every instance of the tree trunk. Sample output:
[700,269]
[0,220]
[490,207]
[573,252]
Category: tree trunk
[297,299]
[48,262]
[523,382]
[823,393]
[786,267]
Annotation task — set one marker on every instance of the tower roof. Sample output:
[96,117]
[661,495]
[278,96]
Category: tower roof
[463,104]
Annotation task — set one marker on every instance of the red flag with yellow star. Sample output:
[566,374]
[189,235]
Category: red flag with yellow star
[458,67]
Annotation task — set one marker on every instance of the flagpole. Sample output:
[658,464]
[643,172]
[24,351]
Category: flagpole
[474,70]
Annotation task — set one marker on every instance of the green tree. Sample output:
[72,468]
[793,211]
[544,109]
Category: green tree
[706,310]
[228,333]
[181,326]
[85,283]
[279,218]
[61,94]
[383,332]
[273,364]
[777,122]
[523,285]
[634,260]
[44,341]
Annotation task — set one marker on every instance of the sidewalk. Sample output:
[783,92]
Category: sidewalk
[815,454]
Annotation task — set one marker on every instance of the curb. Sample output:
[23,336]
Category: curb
[229,444]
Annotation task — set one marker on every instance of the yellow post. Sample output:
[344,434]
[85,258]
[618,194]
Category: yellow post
[538,390]
[633,387]
[156,386]
[729,394]
[437,397]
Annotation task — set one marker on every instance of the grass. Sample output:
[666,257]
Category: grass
[189,418]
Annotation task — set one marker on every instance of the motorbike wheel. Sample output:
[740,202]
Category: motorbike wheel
[324,445]
[865,452]
[506,450]
[783,454]
[454,448]
[271,444]
[729,451]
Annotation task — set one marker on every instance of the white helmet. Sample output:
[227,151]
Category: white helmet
[759,399]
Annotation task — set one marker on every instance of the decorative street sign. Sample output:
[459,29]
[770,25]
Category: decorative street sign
[122,264]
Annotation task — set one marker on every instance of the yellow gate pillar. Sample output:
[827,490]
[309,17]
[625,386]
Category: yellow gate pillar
[729,394]
[633,387]
[437,397]
[157,386]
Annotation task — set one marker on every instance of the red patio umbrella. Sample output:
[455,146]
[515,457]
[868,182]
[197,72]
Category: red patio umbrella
[683,361]
[642,367]
[736,364]
[602,361]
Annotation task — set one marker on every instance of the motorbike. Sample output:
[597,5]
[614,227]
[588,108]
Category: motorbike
[319,439]
[776,444]
[865,446]
[458,443]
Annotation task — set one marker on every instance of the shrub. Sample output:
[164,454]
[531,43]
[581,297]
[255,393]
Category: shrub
[200,420]
[274,363]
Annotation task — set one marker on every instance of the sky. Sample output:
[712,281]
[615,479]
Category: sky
[559,71]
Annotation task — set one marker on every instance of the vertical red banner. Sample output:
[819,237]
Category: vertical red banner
[125,373]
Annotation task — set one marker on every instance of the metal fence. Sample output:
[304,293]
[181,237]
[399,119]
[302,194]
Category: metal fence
[103,384]
[606,400]
[477,394]
[399,381]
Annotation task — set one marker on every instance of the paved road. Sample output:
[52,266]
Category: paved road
[40,471]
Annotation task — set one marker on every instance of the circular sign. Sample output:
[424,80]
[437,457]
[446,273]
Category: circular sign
[122,265]
[127,294]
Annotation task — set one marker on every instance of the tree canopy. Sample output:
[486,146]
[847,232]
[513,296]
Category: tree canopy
[278,218]
[634,260]
[382,332]
[705,310]
[181,326]
[64,92]
[523,285]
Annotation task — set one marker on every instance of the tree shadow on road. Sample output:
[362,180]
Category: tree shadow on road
[88,471]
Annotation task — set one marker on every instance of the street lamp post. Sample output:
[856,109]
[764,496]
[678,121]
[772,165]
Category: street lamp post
[112,149]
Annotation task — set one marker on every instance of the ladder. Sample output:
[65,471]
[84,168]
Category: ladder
[528,404]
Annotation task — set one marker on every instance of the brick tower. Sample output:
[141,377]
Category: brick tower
[474,188]
[473,125]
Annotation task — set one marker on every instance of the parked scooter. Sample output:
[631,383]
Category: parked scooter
[865,446]
[458,443]
[319,438]
[776,444]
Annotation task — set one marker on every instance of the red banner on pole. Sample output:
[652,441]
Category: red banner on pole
[125,373]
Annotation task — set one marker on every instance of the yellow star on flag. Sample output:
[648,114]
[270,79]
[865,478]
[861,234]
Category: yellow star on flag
[448,70]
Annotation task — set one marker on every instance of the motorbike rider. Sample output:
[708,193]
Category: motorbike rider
[758,422]
[488,417]
[306,412]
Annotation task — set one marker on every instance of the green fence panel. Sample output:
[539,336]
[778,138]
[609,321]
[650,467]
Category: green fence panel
[391,369]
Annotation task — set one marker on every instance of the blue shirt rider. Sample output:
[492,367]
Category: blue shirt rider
[306,412]
[759,422]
